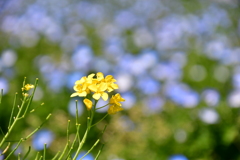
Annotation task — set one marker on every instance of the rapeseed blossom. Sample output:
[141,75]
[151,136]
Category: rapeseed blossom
[97,88]
[27,87]
[115,104]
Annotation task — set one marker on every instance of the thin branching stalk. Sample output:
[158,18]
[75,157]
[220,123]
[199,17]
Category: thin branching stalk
[11,117]
[14,122]
[55,157]
[67,145]
[99,152]
[86,132]
[74,141]
[44,151]
[37,155]
[38,127]
[100,120]
[29,149]
[94,145]
[102,106]
[14,149]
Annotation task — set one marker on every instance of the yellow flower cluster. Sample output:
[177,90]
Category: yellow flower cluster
[99,86]
[27,87]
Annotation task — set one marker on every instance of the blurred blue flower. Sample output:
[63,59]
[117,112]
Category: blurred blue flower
[181,94]
[42,137]
[101,103]
[148,85]
[4,85]
[233,99]
[166,71]
[208,115]
[177,157]
[82,57]
[87,157]
[1,156]
[153,104]
[125,81]
[211,97]
[73,77]
[8,58]
[72,107]
[130,100]
[236,80]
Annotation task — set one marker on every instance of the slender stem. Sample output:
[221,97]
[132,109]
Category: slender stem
[94,145]
[86,132]
[99,152]
[14,149]
[38,127]
[102,106]
[14,122]
[76,112]
[44,151]
[14,103]
[74,141]
[55,157]
[37,155]
[6,149]
[29,149]
[67,145]
[100,120]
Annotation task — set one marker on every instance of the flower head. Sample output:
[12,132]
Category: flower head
[81,86]
[27,87]
[115,104]
[99,90]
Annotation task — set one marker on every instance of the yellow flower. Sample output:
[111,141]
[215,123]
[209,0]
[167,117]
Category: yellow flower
[114,109]
[27,87]
[109,80]
[81,86]
[88,103]
[99,91]
[115,104]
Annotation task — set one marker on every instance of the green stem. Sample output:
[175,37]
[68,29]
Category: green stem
[14,103]
[67,145]
[74,141]
[44,151]
[102,106]
[94,145]
[14,123]
[55,157]
[99,152]
[100,120]
[86,133]
[14,149]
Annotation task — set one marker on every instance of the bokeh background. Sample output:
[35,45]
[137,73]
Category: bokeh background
[177,64]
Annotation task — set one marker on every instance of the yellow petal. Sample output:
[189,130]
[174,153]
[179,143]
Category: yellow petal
[100,76]
[93,87]
[96,96]
[114,109]
[82,94]
[74,95]
[104,96]
[103,87]
[88,103]
[114,86]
